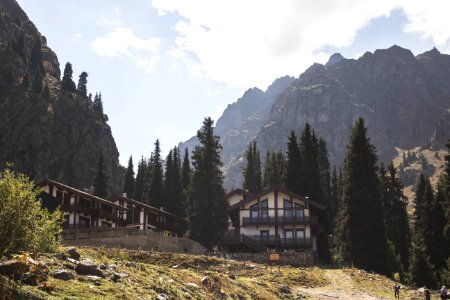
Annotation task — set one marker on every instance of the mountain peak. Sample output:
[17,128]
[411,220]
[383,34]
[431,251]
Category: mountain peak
[334,59]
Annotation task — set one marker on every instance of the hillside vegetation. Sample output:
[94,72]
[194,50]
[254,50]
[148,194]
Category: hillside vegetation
[154,275]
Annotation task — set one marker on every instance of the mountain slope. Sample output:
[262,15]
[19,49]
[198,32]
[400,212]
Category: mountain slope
[403,98]
[56,134]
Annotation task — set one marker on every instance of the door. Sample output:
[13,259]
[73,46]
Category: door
[264,236]
[300,237]
[288,237]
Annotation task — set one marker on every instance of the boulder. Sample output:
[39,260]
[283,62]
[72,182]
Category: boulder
[73,253]
[13,267]
[285,289]
[118,276]
[205,280]
[63,274]
[88,267]
[130,264]
[162,296]
[192,285]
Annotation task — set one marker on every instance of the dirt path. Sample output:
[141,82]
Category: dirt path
[348,286]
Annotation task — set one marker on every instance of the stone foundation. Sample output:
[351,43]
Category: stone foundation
[286,258]
[130,238]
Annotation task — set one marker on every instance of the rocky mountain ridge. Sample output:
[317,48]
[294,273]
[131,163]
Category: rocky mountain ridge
[46,132]
[403,98]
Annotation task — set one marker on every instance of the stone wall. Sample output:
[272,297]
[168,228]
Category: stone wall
[286,258]
[130,238]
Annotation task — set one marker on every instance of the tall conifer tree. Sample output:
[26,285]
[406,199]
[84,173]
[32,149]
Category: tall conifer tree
[252,172]
[396,216]
[173,190]
[274,169]
[420,267]
[101,179]
[140,176]
[67,82]
[156,191]
[207,212]
[186,170]
[129,181]
[361,231]
[82,84]
[293,168]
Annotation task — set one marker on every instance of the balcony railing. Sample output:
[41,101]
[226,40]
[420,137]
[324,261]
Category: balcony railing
[299,220]
[87,210]
[270,240]
[258,221]
[285,220]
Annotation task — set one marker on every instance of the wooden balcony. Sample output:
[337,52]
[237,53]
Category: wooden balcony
[90,211]
[294,220]
[268,241]
[258,221]
[282,220]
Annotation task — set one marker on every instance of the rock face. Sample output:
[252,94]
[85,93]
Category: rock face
[403,99]
[241,121]
[57,134]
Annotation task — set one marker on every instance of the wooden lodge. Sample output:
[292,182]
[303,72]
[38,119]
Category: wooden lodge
[275,219]
[84,210]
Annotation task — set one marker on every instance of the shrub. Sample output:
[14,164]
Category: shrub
[24,225]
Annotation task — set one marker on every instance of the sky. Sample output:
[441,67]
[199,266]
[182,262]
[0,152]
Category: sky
[162,66]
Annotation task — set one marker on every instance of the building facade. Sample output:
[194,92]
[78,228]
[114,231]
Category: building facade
[273,219]
[83,210]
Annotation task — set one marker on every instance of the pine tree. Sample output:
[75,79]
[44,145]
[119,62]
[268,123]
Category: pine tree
[186,171]
[129,181]
[67,82]
[293,168]
[252,172]
[156,191]
[309,174]
[274,169]
[421,270]
[446,203]
[438,249]
[139,186]
[420,267]
[98,103]
[207,212]
[396,216]
[334,198]
[82,84]
[173,190]
[361,231]
[101,179]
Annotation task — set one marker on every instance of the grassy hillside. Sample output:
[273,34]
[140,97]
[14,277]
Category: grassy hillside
[433,165]
[154,275]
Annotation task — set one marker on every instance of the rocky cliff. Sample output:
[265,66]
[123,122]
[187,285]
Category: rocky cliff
[46,133]
[242,120]
[403,98]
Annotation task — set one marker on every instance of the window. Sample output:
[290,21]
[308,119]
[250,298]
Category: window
[300,237]
[299,212]
[287,210]
[288,236]
[265,210]
[254,211]
[264,235]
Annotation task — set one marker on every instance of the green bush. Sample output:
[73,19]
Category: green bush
[24,225]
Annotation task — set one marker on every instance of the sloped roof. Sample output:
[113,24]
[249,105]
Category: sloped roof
[73,190]
[274,189]
[146,206]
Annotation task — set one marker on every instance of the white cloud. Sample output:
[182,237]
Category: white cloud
[76,37]
[248,43]
[123,43]
[430,19]
[117,10]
